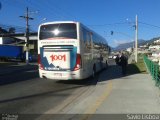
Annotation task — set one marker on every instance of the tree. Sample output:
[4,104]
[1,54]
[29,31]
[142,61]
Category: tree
[12,30]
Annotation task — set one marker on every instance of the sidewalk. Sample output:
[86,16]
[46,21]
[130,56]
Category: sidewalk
[134,94]
[115,94]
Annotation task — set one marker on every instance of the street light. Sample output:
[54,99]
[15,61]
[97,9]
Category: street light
[136,40]
[136,37]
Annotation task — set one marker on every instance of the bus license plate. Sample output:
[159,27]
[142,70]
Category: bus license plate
[58,74]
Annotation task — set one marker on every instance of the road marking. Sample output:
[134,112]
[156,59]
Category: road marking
[89,112]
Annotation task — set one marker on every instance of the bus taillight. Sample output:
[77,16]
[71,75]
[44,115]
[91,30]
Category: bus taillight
[39,62]
[78,62]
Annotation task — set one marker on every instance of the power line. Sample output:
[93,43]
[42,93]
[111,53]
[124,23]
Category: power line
[112,24]
[49,11]
[149,24]
[121,23]
[60,10]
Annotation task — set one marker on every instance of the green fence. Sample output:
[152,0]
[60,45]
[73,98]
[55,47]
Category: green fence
[153,68]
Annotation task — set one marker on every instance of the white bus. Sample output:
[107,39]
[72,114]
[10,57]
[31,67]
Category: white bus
[69,50]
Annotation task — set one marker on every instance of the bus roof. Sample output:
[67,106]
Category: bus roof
[55,22]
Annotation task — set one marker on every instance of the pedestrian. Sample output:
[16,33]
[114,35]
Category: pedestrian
[123,63]
[117,60]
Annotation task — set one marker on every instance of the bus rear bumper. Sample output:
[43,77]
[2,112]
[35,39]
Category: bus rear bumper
[61,75]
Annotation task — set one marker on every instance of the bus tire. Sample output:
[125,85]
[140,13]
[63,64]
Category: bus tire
[106,64]
[94,71]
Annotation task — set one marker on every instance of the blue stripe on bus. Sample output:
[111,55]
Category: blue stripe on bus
[73,57]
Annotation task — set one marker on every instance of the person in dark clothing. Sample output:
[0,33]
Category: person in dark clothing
[123,63]
[117,60]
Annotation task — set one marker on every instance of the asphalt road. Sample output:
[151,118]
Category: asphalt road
[31,95]
[27,94]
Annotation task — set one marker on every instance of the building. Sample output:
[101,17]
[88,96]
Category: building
[157,41]
[6,40]
[154,47]
[129,50]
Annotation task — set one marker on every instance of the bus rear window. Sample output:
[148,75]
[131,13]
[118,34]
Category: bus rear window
[61,30]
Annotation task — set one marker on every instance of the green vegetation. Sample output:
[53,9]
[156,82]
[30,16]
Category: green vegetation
[141,66]
[138,67]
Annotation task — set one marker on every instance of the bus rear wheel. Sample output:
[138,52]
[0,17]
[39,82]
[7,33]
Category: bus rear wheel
[93,71]
[106,65]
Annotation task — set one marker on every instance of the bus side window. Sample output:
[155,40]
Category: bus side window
[88,39]
[84,35]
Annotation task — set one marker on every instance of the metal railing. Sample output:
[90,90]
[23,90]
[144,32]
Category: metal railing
[153,69]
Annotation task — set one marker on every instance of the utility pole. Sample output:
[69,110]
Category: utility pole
[27,18]
[136,40]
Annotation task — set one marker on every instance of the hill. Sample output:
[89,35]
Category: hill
[128,45]
[131,44]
